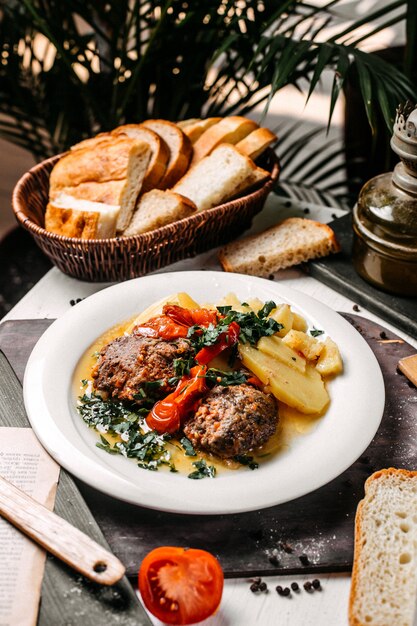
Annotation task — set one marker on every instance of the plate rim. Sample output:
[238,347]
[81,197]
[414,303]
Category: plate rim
[118,486]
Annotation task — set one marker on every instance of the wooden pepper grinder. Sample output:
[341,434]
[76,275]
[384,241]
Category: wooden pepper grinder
[385,217]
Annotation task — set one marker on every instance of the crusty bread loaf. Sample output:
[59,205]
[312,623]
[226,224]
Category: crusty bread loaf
[71,217]
[158,208]
[384,576]
[229,130]
[160,152]
[256,142]
[91,141]
[120,161]
[217,177]
[180,150]
[195,128]
[290,242]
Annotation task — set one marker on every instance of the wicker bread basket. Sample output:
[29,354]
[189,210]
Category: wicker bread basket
[122,258]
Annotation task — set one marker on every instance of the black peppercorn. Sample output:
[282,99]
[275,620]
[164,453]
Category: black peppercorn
[356,308]
[278,589]
[286,591]
[316,583]
[263,587]
[307,585]
[295,586]
[254,587]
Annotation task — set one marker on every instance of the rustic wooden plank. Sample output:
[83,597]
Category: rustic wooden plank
[69,599]
[318,525]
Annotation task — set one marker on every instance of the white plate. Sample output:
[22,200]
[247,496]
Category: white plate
[313,459]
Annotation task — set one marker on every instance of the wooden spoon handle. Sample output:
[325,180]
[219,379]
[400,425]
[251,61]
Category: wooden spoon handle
[58,536]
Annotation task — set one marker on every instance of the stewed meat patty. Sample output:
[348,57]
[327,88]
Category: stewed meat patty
[126,363]
[233,420]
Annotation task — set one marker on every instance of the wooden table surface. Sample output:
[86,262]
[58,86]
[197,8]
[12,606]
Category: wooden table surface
[52,296]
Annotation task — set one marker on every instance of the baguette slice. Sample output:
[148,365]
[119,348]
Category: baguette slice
[217,177]
[196,128]
[71,217]
[229,130]
[256,142]
[160,153]
[384,576]
[290,242]
[180,149]
[158,208]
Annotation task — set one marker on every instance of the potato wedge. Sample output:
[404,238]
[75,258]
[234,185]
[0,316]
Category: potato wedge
[330,362]
[283,315]
[309,347]
[275,347]
[299,323]
[303,391]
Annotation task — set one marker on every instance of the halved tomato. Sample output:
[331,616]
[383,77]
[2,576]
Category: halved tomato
[181,585]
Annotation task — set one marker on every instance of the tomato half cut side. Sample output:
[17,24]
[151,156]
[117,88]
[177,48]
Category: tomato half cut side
[181,585]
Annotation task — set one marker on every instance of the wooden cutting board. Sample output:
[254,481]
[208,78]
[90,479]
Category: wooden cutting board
[317,527]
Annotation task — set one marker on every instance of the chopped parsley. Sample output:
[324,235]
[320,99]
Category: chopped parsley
[253,326]
[202,470]
[219,377]
[316,333]
[187,447]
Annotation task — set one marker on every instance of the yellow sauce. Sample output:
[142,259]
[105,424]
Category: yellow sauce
[291,422]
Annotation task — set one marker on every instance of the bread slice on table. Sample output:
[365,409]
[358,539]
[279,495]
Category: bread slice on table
[196,128]
[160,153]
[229,130]
[158,208]
[290,242]
[384,576]
[180,150]
[256,142]
[217,177]
[71,217]
[116,159]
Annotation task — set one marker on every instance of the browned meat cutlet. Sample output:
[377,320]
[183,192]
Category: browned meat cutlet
[127,363]
[233,420]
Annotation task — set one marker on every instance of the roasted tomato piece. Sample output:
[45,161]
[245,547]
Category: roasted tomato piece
[181,585]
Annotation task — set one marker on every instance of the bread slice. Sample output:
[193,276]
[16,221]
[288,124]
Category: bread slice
[184,123]
[256,142]
[229,130]
[384,576]
[196,128]
[114,159]
[180,150]
[110,192]
[158,208]
[290,242]
[217,177]
[71,217]
[160,153]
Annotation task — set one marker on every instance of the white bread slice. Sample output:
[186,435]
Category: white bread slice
[384,576]
[180,150]
[196,128]
[109,192]
[158,208]
[114,159]
[229,130]
[71,217]
[217,177]
[290,242]
[256,142]
[160,153]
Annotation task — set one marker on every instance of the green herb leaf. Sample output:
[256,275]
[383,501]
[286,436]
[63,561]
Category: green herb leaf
[188,447]
[316,333]
[246,460]
[202,470]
